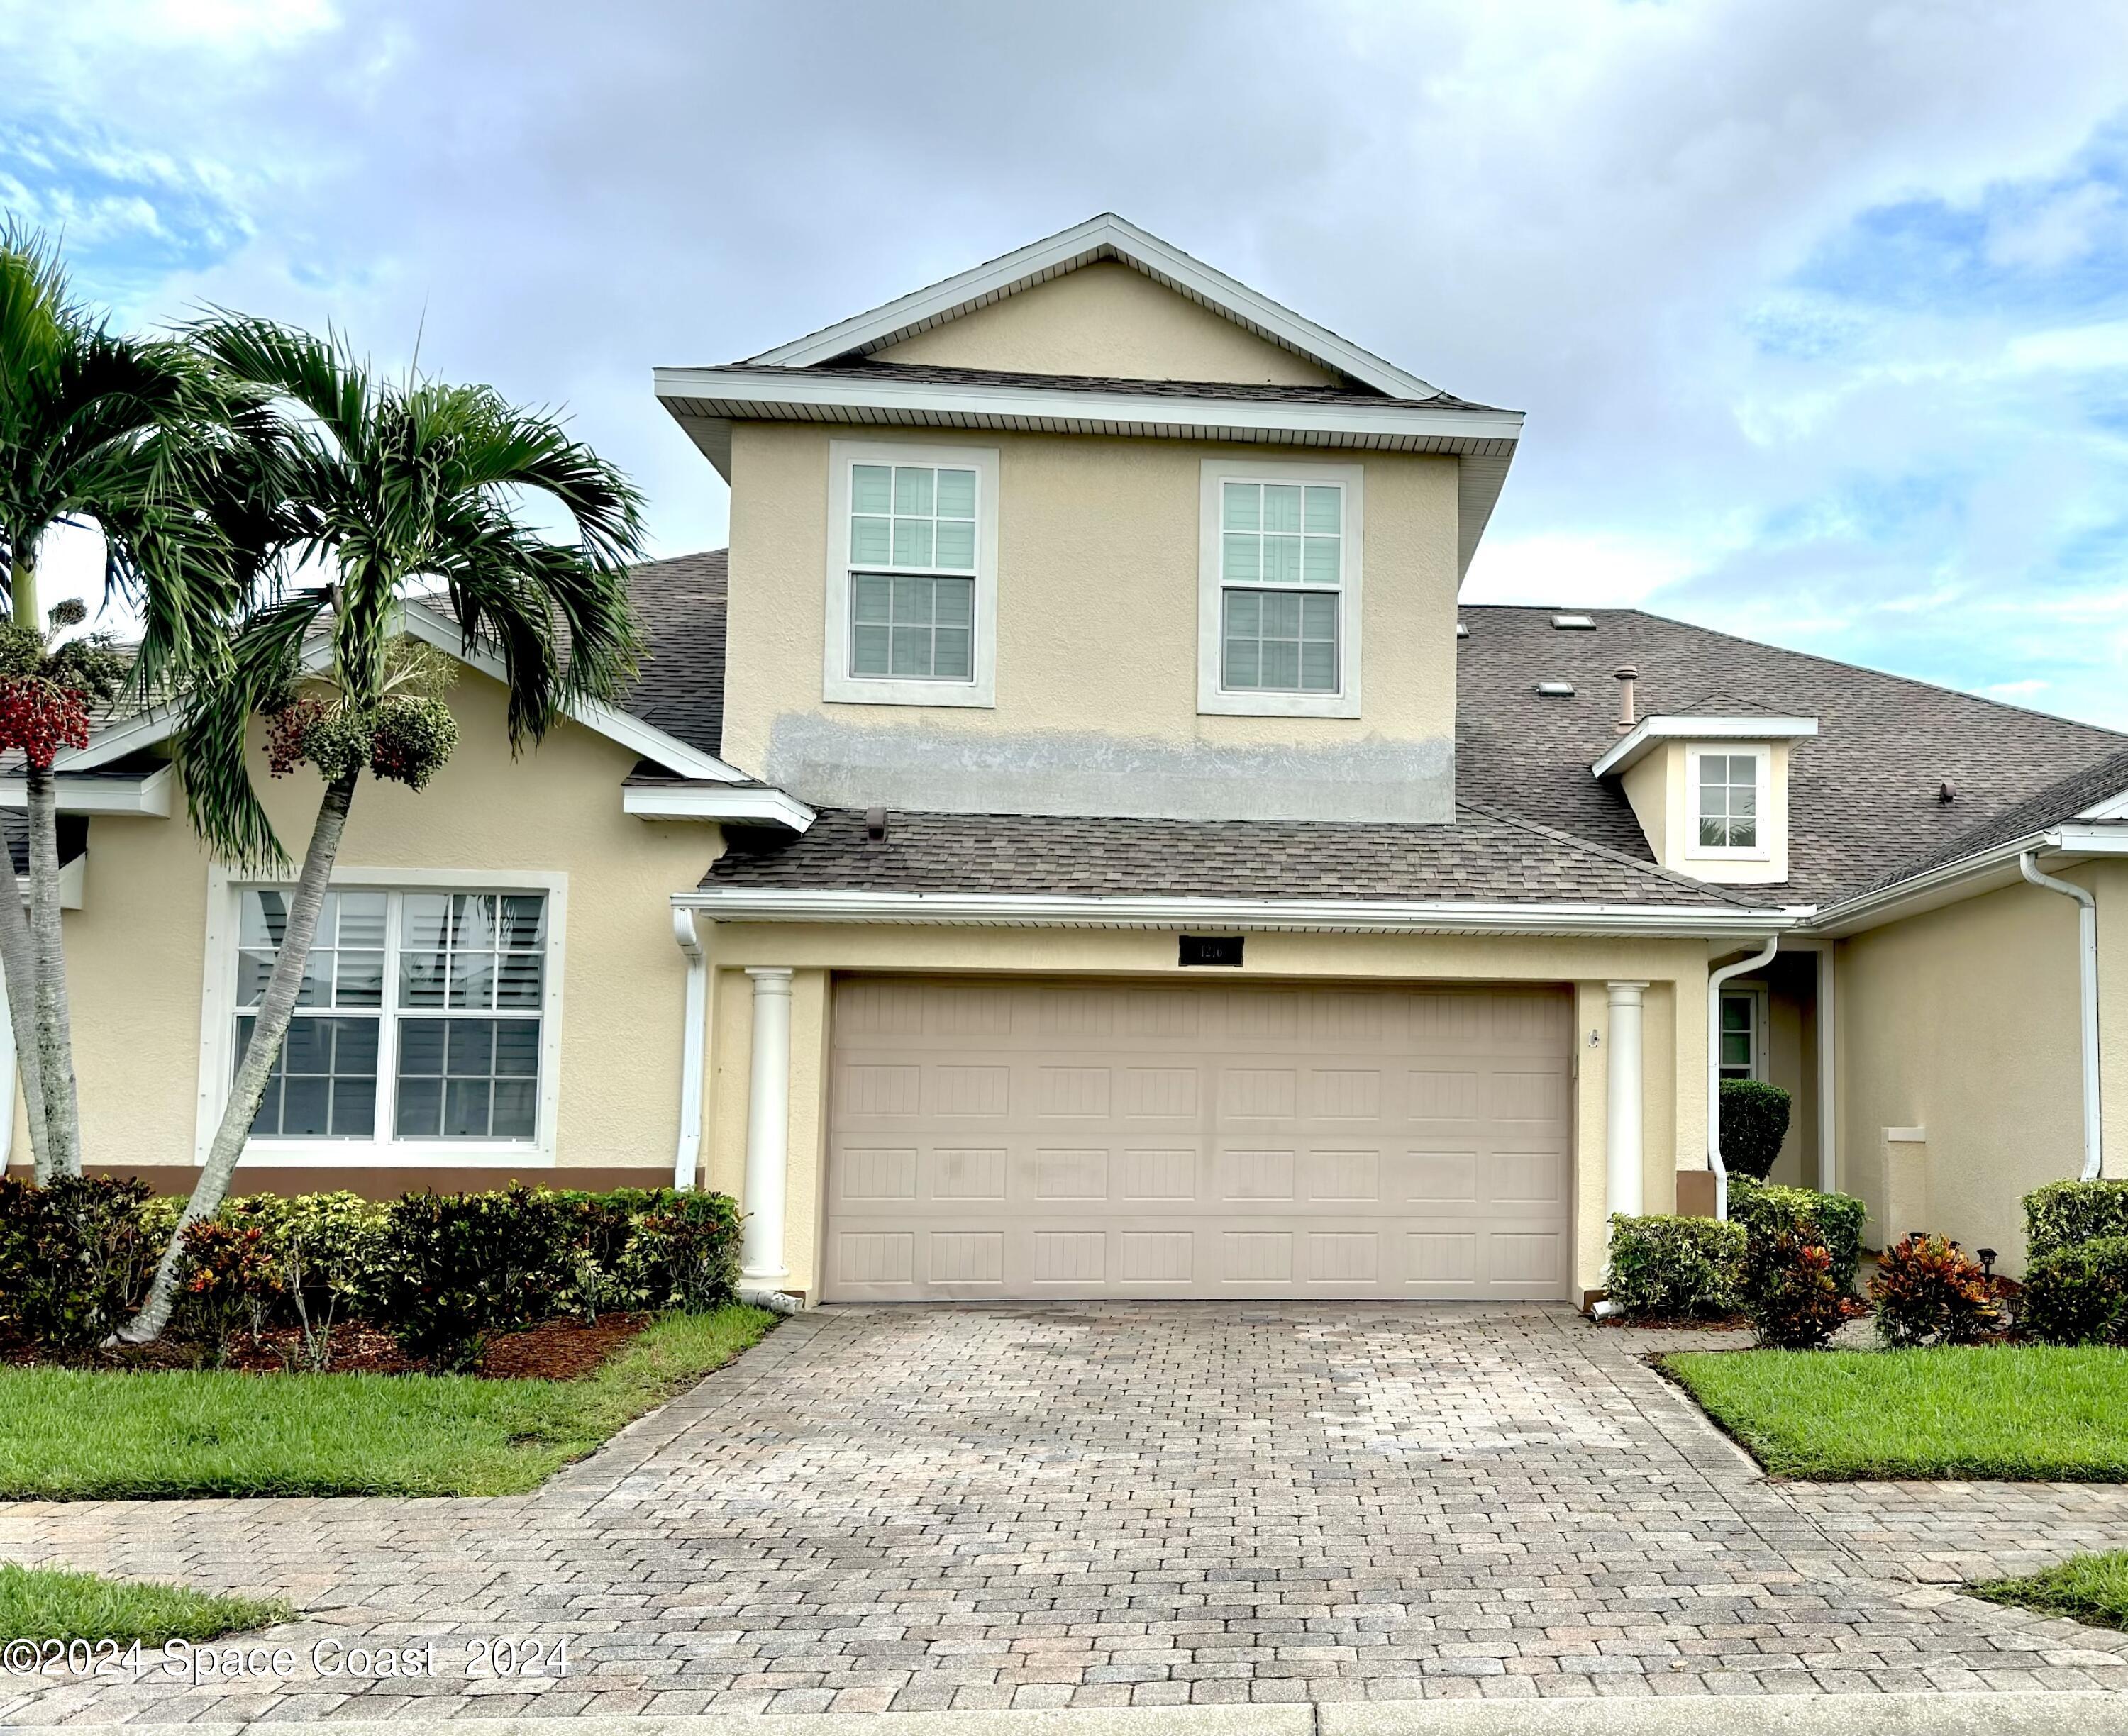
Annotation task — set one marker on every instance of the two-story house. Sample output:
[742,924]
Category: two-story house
[1073,843]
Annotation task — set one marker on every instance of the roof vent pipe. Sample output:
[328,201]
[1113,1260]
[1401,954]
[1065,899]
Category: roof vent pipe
[2087,938]
[876,824]
[1715,980]
[1628,675]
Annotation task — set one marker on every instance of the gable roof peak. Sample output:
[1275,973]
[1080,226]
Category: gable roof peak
[1102,237]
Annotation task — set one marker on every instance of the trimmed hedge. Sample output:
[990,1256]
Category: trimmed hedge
[1834,1221]
[2062,1214]
[443,1274]
[2078,1295]
[1755,1121]
[1675,1267]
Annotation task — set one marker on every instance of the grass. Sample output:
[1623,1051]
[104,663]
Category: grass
[2021,1412]
[70,1435]
[52,1603]
[2092,1588]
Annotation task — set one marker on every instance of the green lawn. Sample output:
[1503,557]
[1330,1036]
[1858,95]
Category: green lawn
[2022,1412]
[50,1603]
[71,1435]
[2092,1588]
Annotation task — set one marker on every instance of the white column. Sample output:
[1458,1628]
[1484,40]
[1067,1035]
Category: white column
[768,1127]
[1623,1142]
[1828,1073]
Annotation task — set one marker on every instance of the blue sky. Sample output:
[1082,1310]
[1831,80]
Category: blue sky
[1819,311]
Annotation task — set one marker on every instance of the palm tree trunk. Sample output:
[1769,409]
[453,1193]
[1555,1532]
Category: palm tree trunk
[18,958]
[54,1017]
[22,594]
[276,1009]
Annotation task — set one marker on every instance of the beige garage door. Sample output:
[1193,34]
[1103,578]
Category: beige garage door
[1012,1140]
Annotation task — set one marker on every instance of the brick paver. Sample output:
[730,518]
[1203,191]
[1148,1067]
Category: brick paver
[1126,1504]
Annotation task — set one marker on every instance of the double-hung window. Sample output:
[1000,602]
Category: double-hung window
[1743,1033]
[1278,613]
[422,1019]
[912,574]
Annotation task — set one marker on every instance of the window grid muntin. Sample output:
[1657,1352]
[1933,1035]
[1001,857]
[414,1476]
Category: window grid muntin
[921,529]
[1281,540]
[389,1015]
[1727,803]
[1739,1056]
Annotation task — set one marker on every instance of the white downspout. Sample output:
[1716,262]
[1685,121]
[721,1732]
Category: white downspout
[2087,937]
[687,1155]
[1715,980]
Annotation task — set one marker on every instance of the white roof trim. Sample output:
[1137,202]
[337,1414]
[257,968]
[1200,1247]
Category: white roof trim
[1984,871]
[1104,237]
[1331,916]
[73,884]
[147,795]
[1649,731]
[646,740]
[706,401]
[752,805]
[2113,807]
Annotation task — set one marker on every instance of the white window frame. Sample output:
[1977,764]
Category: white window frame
[837,685]
[1761,1002]
[1763,851]
[1213,698]
[218,1006]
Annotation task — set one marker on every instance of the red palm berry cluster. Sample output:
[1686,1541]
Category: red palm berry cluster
[39,717]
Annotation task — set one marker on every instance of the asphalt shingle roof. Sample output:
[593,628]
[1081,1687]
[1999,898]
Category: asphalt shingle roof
[1485,857]
[680,603]
[1864,794]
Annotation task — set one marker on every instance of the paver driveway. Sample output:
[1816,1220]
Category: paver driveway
[1136,1504]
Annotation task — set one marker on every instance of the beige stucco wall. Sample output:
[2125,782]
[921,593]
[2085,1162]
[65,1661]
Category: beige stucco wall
[1963,1022]
[1657,787]
[1097,627]
[1673,1065]
[1107,318]
[136,951]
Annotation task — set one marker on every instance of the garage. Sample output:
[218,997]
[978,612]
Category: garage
[1007,1139]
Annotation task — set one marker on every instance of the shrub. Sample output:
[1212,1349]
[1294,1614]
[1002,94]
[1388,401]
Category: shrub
[685,1252]
[71,1258]
[598,1228]
[230,1283]
[327,1250]
[1755,1121]
[455,1269]
[1790,1291]
[1675,1267]
[2078,1295]
[1835,1221]
[2062,1214]
[1927,1292]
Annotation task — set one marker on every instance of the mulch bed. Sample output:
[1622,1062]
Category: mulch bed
[554,1350]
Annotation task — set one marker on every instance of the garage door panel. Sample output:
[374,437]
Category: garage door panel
[998,1138]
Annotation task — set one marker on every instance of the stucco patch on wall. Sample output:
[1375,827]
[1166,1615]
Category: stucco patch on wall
[835,764]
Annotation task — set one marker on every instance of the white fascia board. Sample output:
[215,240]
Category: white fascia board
[733,392]
[644,739]
[1985,871]
[747,806]
[1630,749]
[1326,916]
[2113,807]
[147,796]
[1104,237]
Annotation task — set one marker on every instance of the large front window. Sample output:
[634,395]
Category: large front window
[1281,573]
[421,1012]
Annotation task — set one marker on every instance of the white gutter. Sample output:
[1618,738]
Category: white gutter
[743,804]
[2087,937]
[1644,735]
[687,1155]
[147,795]
[1350,916]
[1715,980]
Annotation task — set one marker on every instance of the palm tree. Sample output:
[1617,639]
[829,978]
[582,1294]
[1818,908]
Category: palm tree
[386,488]
[137,439]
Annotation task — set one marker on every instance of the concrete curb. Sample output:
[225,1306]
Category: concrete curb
[2076,1713]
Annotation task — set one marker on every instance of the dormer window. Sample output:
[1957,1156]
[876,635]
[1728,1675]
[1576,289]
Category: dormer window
[1279,568]
[1727,801]
[912,574]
